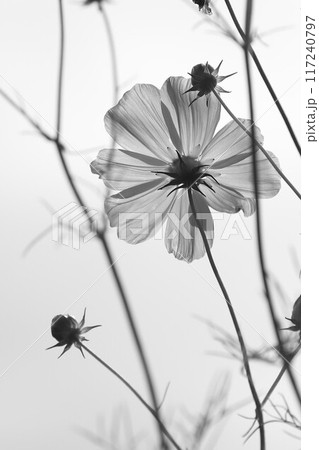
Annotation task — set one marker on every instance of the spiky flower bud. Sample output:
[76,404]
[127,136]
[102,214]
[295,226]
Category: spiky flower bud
[203,5]
[68,331]
[205,79]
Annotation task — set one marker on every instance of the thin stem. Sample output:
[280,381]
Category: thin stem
[259,413]
[60,75]
[123,295]
[102,239]
[278,170]
[111,43]
[115,98]
[280,375]
[100,235]
[113,52]
[263,75]
[137,395]
[270,302]
[23,112]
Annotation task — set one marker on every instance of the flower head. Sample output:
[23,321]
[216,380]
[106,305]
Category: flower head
[68,331]
[167,148]
[205,79]
[203,5]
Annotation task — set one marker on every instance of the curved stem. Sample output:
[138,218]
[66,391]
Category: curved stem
[114,72]
[113,52]
[100,235]
[123,296]
[137,395]
[270,302]
[60,75]
[259,413]
[278,170]
[280,375]
[24,113]
[263,75]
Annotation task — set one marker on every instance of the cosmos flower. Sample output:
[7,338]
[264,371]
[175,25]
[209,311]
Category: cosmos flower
[167,148]
[68,331]
[205,79]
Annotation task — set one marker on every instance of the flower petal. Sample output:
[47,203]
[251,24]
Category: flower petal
[138,217]
[240,177]
[136,123]
[189,126]
[228,200]
[182,236]
[120,169]
[229,142]
[138,190]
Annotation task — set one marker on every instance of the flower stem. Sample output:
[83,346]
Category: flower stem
[259,413]
[115,77]
[113,52]
[263,75]
[60,76]
[115,98]
[100,235]
[275,321]
[134,391]
[280,375]
[239,123]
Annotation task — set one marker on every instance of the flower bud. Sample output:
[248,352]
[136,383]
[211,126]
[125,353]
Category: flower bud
[205,79]
[68,331]
[203,5]
[296,314]
[64,328]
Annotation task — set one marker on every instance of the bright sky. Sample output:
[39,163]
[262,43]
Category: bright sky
[45,401]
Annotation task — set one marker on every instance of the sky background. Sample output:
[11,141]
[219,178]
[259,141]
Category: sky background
[45,402]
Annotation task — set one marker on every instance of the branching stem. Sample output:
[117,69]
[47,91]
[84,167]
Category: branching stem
[263,74]
[269,298]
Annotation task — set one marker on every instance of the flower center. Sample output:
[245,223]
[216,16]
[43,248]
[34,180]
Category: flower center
[186,172]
